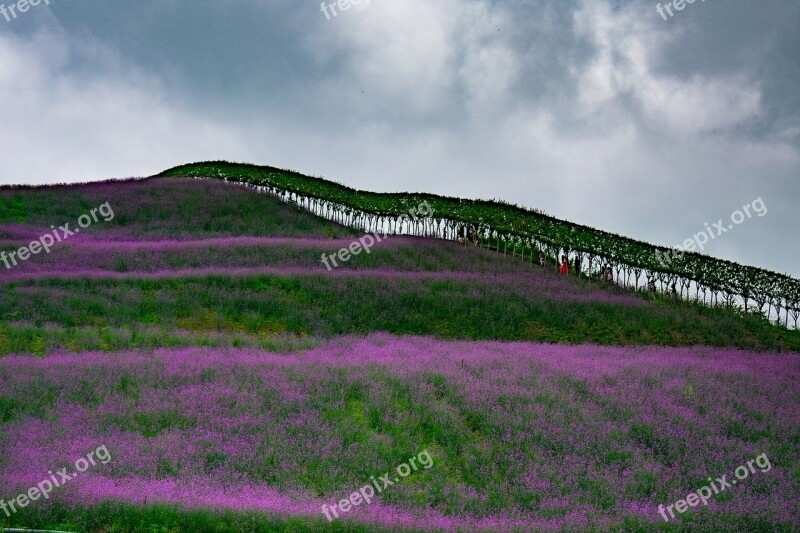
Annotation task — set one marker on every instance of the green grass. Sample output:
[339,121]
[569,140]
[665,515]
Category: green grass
[113,314]
[43,340]
[164,208]
[124,518]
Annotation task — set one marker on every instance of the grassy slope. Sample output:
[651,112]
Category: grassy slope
[287,313]
[162,208]
[190,311]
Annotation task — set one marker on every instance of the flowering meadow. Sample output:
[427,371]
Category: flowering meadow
[523,436]
[240,386]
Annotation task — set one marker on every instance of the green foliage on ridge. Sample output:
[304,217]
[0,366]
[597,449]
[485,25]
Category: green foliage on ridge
[518,224]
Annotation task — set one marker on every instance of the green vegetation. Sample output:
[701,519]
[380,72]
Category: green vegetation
[542,432]
[161,208]
[251,310]
[126,518]
[519,226]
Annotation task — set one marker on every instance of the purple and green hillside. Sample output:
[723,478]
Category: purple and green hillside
[522,435]
[237,384]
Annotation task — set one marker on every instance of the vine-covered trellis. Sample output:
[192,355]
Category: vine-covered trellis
[522,233]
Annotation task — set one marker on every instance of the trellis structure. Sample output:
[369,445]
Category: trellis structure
[521,232]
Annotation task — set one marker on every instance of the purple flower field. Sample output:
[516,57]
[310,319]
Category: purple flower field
[395,258]
[236,378]
[523,436]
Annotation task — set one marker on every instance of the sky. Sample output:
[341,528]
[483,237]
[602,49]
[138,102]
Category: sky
[603,112]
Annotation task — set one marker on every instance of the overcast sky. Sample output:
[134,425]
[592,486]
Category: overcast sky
[598,111]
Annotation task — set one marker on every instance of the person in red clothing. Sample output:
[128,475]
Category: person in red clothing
[564,265]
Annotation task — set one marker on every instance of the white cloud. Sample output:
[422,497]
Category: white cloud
[625,48]
[65,124]
[421,55]
[402,50]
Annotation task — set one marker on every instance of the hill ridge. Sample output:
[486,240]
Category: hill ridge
[525,229]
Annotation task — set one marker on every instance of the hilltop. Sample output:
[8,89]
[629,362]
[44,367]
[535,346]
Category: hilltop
[173,242]
[240,385]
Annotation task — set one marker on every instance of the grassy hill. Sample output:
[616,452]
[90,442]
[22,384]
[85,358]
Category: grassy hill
[239,385]
[194,258]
